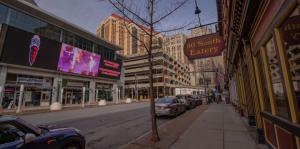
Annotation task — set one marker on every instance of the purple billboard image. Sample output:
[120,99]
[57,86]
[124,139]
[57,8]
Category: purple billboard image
[75,60]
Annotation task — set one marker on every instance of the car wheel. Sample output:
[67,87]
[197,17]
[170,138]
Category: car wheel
[72,146]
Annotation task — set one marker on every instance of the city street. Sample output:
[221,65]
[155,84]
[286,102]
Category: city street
[103,127]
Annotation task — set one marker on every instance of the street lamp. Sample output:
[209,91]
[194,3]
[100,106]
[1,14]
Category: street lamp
[197,12]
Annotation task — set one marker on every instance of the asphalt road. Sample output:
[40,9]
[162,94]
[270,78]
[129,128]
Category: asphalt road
[113,130]
[107,129]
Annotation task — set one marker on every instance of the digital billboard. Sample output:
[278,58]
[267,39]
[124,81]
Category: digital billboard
[27,49]
[110,69]
[78,61]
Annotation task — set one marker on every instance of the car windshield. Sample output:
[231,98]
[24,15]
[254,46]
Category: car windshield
[32,127]
[164,100]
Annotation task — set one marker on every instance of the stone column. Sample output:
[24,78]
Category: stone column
[3,73]
[57,85]
[92,90]
[114,92]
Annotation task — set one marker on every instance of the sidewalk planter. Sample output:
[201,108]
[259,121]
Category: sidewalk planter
[241,112]
[251,120]
[128,100]
[102,103]
[55,106]
[260,136]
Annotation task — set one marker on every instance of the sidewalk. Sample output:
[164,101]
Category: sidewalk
[219,127]
[215,126]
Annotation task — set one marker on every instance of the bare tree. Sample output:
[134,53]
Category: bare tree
[148,19]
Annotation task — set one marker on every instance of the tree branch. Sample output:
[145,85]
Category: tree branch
[126,16]
[133,13]
[169,13]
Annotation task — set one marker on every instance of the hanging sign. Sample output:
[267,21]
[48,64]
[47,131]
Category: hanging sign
[204,46]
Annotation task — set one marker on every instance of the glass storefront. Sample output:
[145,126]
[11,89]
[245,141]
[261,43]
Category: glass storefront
[279,91]
[73,92]
[37,91]
[290,33]
[104,92]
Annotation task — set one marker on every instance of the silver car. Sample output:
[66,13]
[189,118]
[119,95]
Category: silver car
[169,106]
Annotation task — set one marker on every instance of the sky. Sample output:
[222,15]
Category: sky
[88,14]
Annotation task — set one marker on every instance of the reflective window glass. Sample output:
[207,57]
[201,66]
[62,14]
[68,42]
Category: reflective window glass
[3,13]
[277,80]
[266,96]
[290,30]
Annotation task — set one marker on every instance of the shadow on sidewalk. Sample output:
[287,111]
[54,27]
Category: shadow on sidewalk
[168,132]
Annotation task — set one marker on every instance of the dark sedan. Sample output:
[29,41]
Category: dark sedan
[16,133]
[197,99]
[168,106]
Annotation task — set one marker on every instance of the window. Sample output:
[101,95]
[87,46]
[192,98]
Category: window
[277,80]
[9,133]
[134,41]
[290,32]
[3,13]
[34,25]
[263,82]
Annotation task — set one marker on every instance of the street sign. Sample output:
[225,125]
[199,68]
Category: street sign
[204,46]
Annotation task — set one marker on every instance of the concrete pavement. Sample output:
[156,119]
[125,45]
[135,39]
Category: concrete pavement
[214,126]
[219,127]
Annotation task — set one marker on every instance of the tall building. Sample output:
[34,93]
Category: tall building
[173,46]
[124,33]
[208,69]
[59,62]
[168,74]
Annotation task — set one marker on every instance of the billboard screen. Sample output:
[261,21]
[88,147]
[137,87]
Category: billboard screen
[110,69]
[78,61]
[27,49]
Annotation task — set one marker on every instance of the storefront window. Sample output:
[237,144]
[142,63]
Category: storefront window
[277,80]
[291,35]
[263,82]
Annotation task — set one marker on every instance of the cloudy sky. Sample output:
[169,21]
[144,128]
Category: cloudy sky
[89,13]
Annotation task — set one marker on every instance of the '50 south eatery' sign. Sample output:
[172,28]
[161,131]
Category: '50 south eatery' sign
[204,46]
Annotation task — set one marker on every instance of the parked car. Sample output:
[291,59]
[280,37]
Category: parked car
[192,101]
[169,106]
[17,133]
[187,101]
[197,99]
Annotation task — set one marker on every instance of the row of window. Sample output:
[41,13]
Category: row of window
[28,23]
[281,52]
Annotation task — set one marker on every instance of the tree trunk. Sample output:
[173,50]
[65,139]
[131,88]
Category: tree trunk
[155,136]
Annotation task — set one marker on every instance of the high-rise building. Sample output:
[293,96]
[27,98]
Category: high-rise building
[168,74]
[131,37]
[173,46]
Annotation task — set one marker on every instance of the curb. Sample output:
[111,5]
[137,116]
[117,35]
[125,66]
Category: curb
[47,110]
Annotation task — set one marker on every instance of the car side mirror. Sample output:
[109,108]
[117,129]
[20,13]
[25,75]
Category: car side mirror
[29,137]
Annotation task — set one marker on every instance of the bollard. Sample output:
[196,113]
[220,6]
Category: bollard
[83,97]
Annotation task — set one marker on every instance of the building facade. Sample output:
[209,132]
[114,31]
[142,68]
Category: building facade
[168,74]
[45,59]
[129,36]
[173,46]
[262,66]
